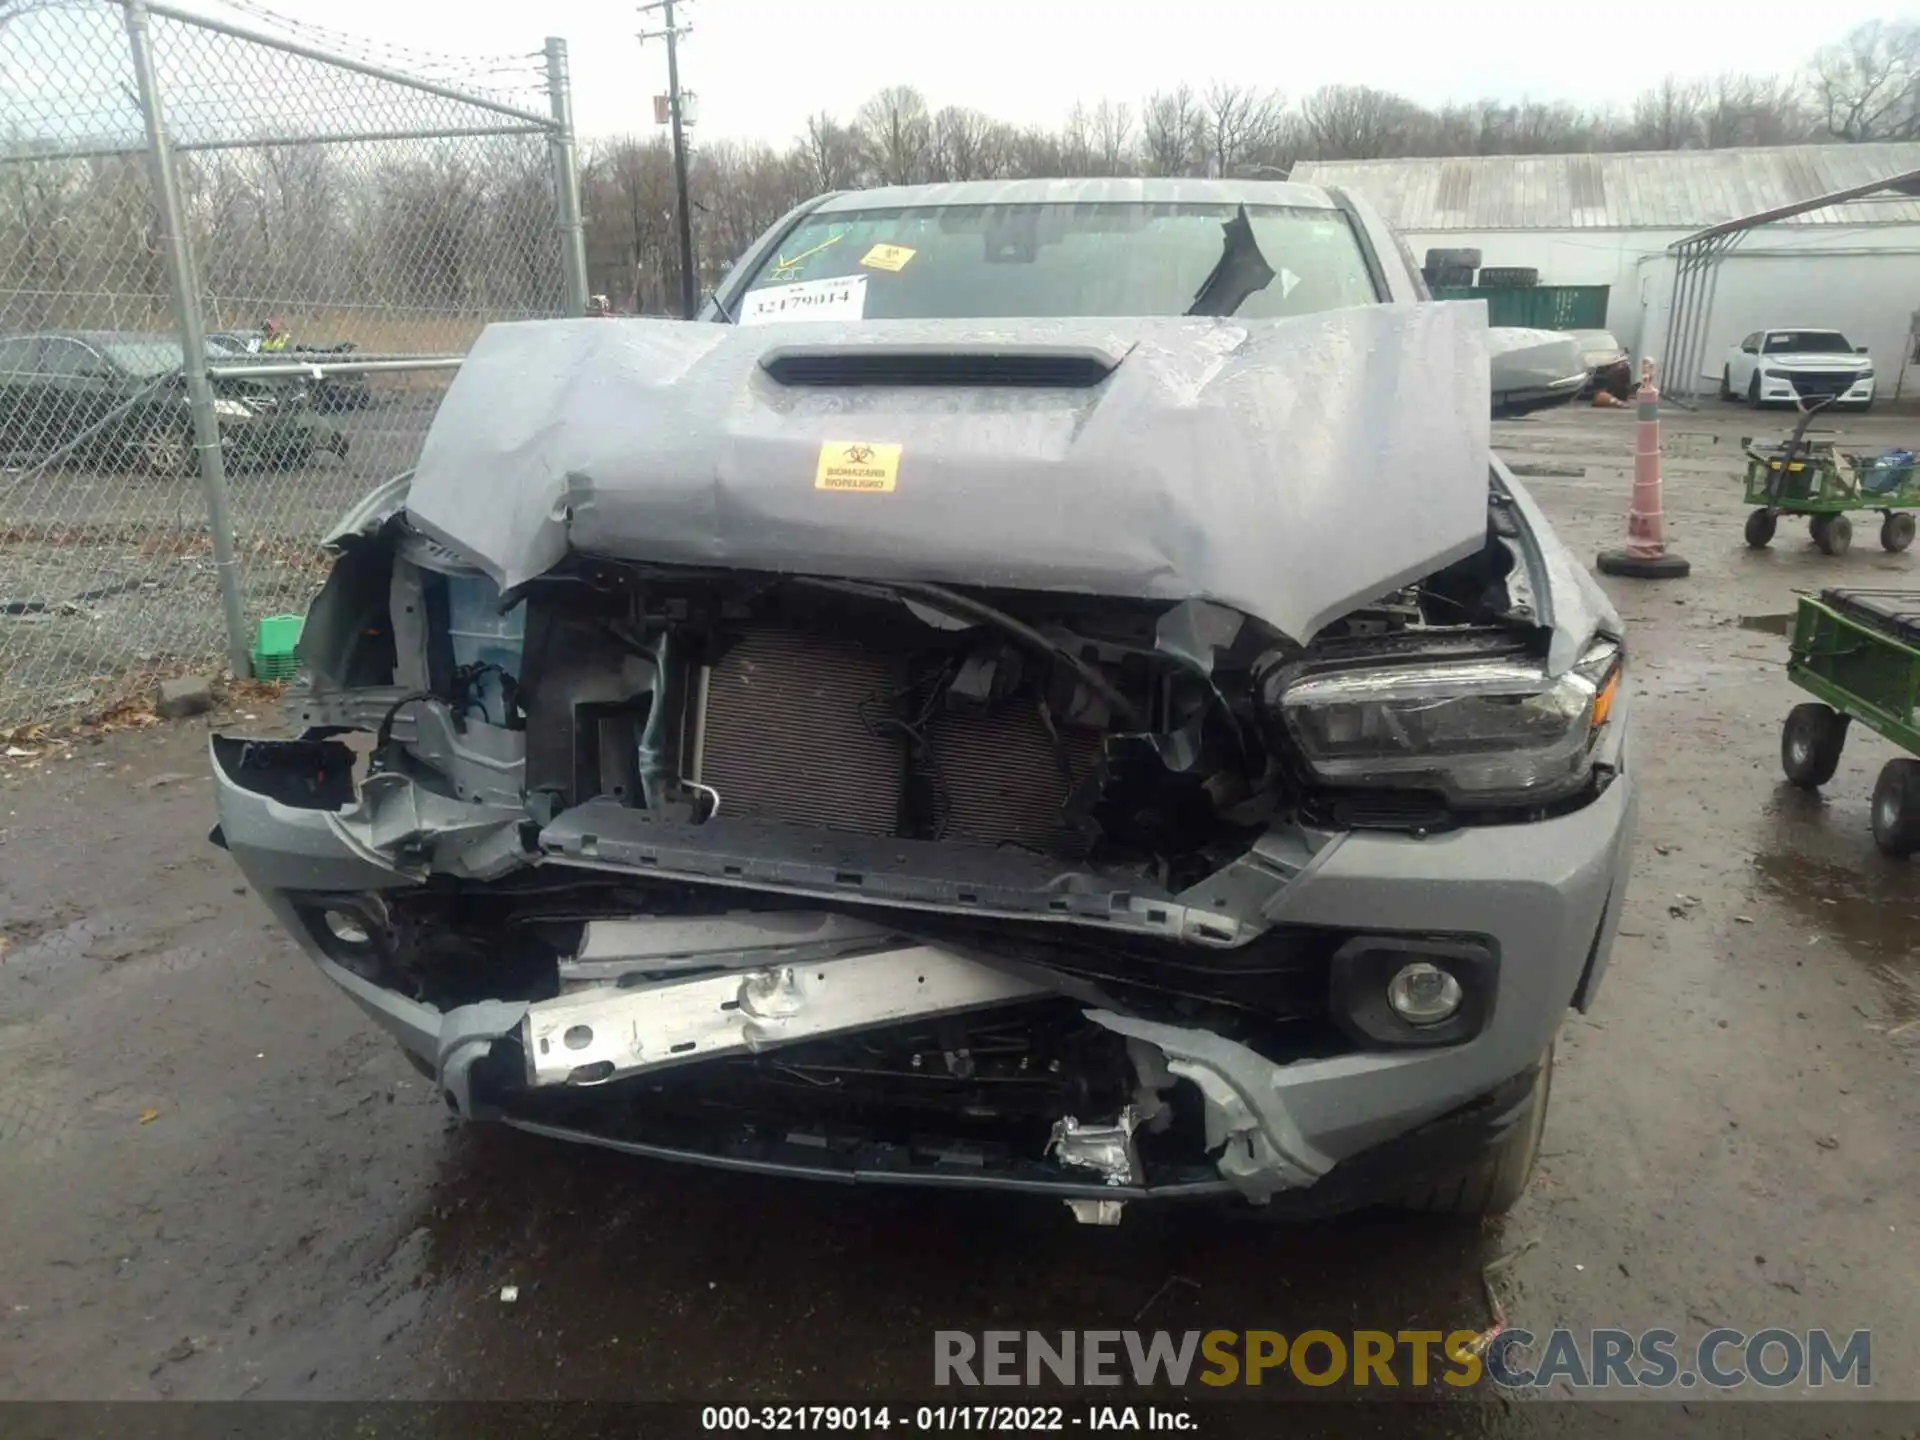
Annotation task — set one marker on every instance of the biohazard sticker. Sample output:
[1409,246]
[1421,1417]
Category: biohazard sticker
[840,298]
[857,465]
[888,257]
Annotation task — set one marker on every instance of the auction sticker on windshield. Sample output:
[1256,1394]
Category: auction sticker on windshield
[888,257]
[857,465]
[843,297]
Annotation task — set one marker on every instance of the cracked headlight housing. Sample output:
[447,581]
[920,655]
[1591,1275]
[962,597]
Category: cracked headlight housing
[1483,732]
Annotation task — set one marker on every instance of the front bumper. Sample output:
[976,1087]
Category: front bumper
[1783,391]
[1525,399]
[1546,896]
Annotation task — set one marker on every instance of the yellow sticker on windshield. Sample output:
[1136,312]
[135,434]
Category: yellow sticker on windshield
[887,257]
[857,465]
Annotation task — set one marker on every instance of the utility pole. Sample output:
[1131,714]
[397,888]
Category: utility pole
[671,33]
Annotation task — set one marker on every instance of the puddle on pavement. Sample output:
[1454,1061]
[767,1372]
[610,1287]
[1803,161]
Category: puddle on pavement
[1769,624]
[1871,912]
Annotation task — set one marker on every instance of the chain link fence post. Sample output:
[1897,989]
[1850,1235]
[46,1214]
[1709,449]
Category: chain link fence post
[566,177]
[193,339]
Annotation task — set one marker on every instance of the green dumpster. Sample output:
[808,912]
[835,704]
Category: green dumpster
[1537,307]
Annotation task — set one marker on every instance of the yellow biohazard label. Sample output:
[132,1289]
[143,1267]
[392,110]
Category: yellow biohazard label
[857,465]
[887,257]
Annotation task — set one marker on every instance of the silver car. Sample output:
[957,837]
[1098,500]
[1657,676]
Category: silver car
[1044,687]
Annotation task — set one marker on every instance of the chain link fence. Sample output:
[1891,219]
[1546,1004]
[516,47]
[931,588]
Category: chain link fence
[237,270]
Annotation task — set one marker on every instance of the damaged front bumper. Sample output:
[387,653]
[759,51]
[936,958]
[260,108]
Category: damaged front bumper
[605,1060]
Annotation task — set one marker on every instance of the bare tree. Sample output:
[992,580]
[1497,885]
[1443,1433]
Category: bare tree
[961,144]
[1754,110]
[1670,116]
[897,133]
[1076,143]
[830,153]
[999,150]
[1237,121]
[1868,86]
[1034,153]
[1357,122]
[1173,132]
[1113,138]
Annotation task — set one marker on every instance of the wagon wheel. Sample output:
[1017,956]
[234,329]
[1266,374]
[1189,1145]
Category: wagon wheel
[1896,808]
[1760,528]
[1832,533]
[1810,744]
[1896,531]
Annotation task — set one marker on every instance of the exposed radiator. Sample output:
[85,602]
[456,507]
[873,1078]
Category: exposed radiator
[784,738]
[1001,775]
[787,737]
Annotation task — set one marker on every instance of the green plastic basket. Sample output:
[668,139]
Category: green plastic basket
[276,647]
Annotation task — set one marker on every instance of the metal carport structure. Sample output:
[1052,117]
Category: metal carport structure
[1696,275]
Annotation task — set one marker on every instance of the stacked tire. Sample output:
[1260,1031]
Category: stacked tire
[1450,269]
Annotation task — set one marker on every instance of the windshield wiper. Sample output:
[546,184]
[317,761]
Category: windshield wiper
[1240,271]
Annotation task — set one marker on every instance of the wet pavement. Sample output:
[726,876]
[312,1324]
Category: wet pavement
[220,1181]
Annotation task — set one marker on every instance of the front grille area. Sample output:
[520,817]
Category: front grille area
[797,731]
[1818,384]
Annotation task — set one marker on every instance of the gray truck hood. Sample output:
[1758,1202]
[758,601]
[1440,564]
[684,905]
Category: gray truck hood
[1291,469]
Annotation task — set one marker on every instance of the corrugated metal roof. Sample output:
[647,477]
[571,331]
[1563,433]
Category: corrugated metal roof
[1639,190]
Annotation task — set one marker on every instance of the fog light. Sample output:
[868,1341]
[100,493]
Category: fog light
[347,929]
[1423,994]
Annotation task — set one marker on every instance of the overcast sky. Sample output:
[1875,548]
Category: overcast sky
[760,67]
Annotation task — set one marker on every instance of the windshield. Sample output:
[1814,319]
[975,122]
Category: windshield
[1125,258]
[145,358]
[1807,342]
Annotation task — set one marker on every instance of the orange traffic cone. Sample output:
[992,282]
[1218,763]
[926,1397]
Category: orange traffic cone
[1646,556]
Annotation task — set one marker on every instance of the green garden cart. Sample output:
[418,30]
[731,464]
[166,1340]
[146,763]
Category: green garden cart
[1810,475]
[1858,651]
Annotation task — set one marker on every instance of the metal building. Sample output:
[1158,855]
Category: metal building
[1614,219]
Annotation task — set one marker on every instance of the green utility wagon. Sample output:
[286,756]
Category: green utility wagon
[1859,652]
[1811,476]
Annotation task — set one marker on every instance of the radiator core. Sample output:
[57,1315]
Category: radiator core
[792,732]
[785,739]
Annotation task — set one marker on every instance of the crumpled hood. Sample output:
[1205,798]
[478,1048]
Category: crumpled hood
[1291,469]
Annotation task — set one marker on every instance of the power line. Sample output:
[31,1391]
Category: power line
[671,33]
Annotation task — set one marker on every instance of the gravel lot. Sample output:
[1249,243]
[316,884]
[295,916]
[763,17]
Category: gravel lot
[220,1181]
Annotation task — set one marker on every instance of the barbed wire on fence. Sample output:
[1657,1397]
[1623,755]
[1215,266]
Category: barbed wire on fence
[326,198]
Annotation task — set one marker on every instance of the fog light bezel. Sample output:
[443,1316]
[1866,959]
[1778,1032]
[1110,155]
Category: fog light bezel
[1364,965]
[366,957]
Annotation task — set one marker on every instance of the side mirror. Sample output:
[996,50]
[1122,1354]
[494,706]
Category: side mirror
[1860,350]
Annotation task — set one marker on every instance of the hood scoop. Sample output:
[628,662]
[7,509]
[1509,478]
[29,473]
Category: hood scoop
[1060,367]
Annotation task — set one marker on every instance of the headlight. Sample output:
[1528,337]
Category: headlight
[233,409]
[1492,731]
[1774,374]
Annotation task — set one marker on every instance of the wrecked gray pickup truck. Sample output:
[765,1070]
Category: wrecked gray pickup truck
[1047,688]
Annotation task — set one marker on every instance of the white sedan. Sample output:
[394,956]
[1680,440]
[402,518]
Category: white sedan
[1795,366]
